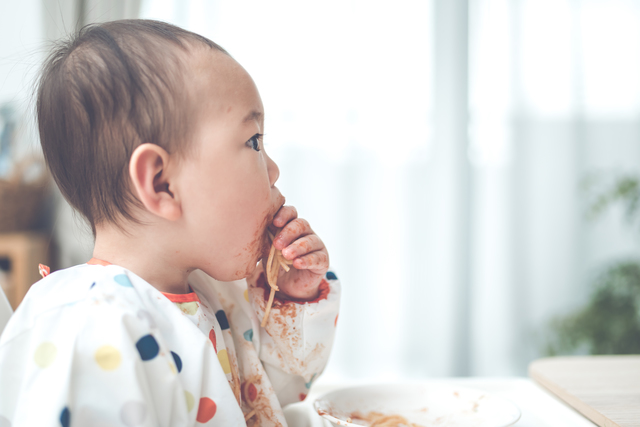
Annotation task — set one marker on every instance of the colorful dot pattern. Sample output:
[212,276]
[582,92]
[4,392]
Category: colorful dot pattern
[190,401]
[308,385]
[223,357]
[177,361]
[206,410]
[206,407]
[189,308]
[222,320]
[212,338]
[123,280]
[148,347]
[108,357]
[65,417]
[45,354]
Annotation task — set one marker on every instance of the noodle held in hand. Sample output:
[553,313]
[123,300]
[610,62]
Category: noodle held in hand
[274,262]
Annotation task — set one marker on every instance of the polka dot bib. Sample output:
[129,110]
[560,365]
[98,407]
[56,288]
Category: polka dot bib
[96,345]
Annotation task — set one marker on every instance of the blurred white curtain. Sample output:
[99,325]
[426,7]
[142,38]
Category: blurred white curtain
[108,10]
[554,96]
[63,17]
[437,147]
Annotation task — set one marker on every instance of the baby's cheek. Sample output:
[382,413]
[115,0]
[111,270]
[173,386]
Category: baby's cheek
[245,265]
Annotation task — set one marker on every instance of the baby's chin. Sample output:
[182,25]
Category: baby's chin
[251,269]
[230,276]
[252,265]
[237,268]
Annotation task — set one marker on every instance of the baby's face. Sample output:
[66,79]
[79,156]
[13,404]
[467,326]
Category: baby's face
[228,183]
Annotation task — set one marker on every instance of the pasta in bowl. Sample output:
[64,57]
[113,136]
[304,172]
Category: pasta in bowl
[415,405]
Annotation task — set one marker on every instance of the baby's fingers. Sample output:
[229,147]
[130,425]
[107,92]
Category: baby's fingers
[284,215]
[317,262]
[303,246]
[292,231]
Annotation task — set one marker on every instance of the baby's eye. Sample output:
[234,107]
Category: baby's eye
[254,141]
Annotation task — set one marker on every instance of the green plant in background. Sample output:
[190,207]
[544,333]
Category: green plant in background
[610,322]
[625,190]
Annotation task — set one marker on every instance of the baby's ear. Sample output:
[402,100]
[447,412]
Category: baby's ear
[148,170]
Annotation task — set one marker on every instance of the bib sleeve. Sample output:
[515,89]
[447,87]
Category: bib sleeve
[297,339]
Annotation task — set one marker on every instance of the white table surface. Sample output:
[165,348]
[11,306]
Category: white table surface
[539,407]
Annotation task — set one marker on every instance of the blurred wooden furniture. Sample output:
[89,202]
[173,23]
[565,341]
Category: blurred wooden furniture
[24,251]
[605,389]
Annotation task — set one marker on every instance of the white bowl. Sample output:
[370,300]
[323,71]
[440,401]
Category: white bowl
[423,404]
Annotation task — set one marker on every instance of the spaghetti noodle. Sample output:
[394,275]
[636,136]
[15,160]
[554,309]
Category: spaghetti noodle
[274,262]
[377,419]
[250,414]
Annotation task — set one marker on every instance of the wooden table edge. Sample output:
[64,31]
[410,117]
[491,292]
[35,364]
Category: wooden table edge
[571,400]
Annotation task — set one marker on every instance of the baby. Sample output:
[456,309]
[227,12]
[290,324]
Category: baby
[154,135]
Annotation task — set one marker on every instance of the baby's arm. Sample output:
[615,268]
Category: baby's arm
[297,339]
[296,342]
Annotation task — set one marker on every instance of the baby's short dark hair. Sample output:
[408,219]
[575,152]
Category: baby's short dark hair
[102,93]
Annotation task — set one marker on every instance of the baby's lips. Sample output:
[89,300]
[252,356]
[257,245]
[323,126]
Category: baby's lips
[281,200]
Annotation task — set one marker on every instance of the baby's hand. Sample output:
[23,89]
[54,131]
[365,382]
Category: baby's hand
[299,244]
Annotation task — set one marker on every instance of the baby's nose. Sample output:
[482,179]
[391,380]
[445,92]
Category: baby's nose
[274,171]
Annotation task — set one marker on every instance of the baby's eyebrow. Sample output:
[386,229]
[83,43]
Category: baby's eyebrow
[253,115]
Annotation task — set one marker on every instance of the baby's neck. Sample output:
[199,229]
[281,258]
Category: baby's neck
[155,260]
